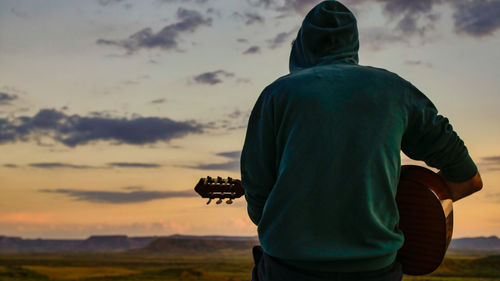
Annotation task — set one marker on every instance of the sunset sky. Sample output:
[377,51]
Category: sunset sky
[111,110]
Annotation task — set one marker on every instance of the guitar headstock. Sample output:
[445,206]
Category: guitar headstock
[219,188]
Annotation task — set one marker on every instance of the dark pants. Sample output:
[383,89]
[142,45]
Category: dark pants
[268,268]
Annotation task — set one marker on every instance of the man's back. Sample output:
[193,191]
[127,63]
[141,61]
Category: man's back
[321,159]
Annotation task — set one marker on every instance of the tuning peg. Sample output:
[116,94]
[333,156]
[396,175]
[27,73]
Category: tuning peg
[229,179]
[209,200]
[218,201]
[219,179]
[229,201]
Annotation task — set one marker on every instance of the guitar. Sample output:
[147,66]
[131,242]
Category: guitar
[425,218]
[425,214]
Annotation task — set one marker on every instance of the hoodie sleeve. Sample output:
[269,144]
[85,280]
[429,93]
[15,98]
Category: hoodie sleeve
[431,138]
[258,157]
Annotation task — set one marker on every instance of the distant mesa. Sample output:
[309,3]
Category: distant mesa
[476,243]
[107,243]
[112,243]
[176,244]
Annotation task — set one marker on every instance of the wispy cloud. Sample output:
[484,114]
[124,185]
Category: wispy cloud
[134,187]
[109,2]
[232,165]
[119,197]
[165,39]
[57,165]
[61,165]
[74,130]
[158,101]
[411,16]
[418,63]
[281,38]
[18,13]
[183,1]
[252,50]
[212,77]
[134,165]
[5,98]
[226,166]
[250,17]
[375,38]
[231,154]
[476,18]
[489,163]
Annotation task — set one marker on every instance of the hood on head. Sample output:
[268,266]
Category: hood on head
[328,33]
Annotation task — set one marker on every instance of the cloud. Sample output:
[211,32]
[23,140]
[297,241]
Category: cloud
[490,163]
[298,6]
[74,130]
[119,197]
[281,38]
[158,101]
[165,39]
[109,2]
[19,13]
[375,38]
[61,165]
[418,63]
[226,166]
[212,78]
[242,40]
[183,1]
[231,154]
[494,159]
[252,50]
[135,187]
[409,13]
[134,165]
[235,120]
[235,114]
[285,7]
[232,165]
[55,165]
[476,18]
[5,98]
[250,18]
[410,17]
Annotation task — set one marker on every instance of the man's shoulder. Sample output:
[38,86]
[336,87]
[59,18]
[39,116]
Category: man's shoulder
[345,70]
[378,72]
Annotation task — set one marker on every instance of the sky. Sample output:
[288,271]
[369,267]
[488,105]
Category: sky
[112,110]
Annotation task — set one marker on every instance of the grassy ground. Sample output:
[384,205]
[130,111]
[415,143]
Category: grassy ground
[234,266]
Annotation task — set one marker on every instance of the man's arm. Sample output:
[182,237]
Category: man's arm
[258,172]
[431,138]
[459,190]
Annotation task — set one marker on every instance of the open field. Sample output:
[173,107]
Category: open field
[229,265]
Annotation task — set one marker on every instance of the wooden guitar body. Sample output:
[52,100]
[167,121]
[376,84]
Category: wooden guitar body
[426,219]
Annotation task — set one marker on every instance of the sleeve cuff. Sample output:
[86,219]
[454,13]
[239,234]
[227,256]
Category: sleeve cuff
[254,212]
[461,171]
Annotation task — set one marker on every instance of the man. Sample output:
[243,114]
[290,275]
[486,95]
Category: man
[321,159]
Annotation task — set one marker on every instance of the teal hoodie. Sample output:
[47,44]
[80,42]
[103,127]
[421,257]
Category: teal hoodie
[321,160]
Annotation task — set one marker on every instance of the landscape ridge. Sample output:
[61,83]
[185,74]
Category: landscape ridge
[176,243]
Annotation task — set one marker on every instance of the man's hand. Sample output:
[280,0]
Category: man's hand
[459,190]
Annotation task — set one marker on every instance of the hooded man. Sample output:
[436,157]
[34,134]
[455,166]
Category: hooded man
[321,160]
